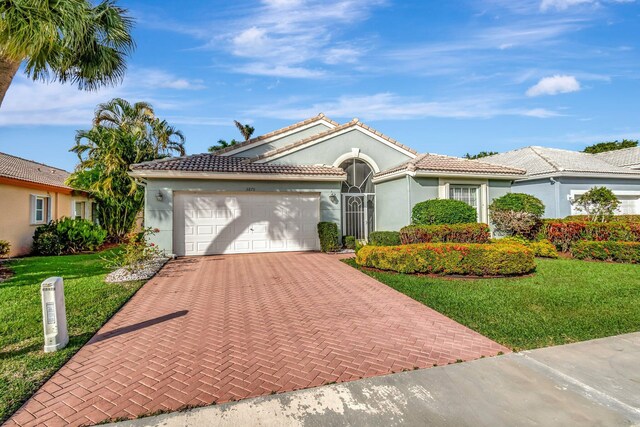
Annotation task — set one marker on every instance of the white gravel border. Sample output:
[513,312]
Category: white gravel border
[143,271]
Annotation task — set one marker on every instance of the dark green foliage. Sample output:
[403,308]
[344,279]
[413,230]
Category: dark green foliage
[68,236]
[328,234]
[610,146]
[349,242]
[450,258]
[518,202]
[5,247]
[628,252]
[479,155]
[599,204]
[455,233]
[384,238]
[443,211]
[615,218]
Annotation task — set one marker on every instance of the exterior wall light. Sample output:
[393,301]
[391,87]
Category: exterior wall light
[333,198]
[159,196]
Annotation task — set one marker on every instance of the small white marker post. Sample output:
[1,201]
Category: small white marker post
[54,314]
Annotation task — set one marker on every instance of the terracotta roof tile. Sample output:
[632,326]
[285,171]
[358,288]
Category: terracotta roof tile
[277,132]
[352,123]
[27,170]
[439,163]
[209,162]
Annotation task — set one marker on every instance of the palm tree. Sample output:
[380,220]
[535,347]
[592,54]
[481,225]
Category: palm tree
[167,139]
[64,40]
[222,144]
[120,113]
[245,130]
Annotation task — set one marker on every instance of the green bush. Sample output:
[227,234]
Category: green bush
[450,258]
[628,252]
[615,218]
[328,234]
[349,242]
[443,211]
[384,238]
[136,251]
[518,202]
[68,236]
[542,248]
[5,247]
[599,204]
[455,233]
[564,234]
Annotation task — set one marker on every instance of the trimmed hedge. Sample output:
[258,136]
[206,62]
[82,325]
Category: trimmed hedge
[443,211]
[615,218]
[384,238]
[628,252]
[564,234]
[454,233]
[328,234]
[542,248]
[450,258]
[349,242]
[518,202]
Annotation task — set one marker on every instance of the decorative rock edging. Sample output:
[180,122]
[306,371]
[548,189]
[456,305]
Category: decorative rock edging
[144,271]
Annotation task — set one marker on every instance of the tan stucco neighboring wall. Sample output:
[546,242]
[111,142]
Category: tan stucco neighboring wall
[15,214]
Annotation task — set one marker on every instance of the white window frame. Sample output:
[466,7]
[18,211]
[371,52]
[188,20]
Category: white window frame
[483,193]
[83,213]
[46,209]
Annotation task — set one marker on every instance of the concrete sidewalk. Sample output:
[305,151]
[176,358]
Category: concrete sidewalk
[590,383]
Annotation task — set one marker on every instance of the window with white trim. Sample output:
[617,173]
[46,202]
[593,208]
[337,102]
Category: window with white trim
[40,209]
[470,194]
[79,211]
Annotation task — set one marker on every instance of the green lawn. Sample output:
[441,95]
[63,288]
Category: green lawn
[563,302]
[89,301]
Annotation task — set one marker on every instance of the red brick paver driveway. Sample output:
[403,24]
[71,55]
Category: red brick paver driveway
[221,328]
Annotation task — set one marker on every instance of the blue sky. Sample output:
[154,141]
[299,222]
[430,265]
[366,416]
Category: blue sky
[441,77]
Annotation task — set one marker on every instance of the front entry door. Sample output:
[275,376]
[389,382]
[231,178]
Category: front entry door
[358,215]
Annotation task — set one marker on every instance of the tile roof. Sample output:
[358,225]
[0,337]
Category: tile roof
[353,123]
[317,118]
[549,161]
[439,163]
[625,157]
[26,170]
[210,162]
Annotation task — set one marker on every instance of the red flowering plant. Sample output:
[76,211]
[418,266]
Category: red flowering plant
[138,250]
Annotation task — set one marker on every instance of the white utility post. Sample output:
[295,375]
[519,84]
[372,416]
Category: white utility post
[54,315]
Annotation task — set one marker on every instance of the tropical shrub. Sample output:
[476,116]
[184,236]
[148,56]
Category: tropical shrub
[615,218]
[455,233]
[516,214]
[542,248]
[384,238]
[349,242]
[5,247]
[628,252]
[450,258]
[136,251]
[443,211]
[328,234]
[564,234]
[599,204]
[68,236]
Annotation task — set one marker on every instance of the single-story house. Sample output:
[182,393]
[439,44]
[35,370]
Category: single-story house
[269,193]
[33,194]
[557,176]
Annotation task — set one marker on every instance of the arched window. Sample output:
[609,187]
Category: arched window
[359,177]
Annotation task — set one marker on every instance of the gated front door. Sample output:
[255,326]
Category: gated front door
[358,199]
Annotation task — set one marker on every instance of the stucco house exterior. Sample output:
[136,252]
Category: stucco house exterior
[557,176]
[33,194]
[269,193]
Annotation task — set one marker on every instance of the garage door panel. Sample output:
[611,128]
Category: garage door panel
[226,223]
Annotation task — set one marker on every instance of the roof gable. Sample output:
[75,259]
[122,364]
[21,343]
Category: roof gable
[275,135]
[627,157]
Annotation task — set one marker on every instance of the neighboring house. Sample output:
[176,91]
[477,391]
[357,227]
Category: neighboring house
[557,176]
[269,193]
[33,194]
[627,157]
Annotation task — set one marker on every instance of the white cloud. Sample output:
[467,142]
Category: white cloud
[561,4]
[160,79]
[554,85]
[261,69]
[388,106]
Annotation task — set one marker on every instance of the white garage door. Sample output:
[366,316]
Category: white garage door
[243,223]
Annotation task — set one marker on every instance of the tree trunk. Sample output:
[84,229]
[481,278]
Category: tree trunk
[8,69]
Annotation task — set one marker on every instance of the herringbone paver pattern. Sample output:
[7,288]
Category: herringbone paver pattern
[221,328]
